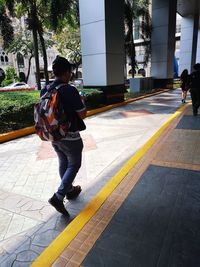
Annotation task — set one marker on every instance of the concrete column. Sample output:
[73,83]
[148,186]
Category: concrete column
[102,44]
[188,45]
[198,48]
[163,38]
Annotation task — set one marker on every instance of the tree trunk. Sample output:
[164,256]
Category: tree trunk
[33,16]
[133,60]
[29,68]
[46,74]
[36,53]
[76,75]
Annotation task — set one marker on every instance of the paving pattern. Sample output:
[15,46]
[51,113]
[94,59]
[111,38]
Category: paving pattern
[152,218]
[29,174]
[158,223]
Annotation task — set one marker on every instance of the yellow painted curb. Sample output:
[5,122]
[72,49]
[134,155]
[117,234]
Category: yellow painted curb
[16,134]
[31,130]
[52,252]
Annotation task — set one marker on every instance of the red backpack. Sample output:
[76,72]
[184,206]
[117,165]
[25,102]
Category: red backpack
[51,122]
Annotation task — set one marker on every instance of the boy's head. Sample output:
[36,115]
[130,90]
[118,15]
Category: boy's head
[61,68]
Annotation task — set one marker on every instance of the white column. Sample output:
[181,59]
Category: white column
[188,45]
[198,48]
[163,38]
[102,42]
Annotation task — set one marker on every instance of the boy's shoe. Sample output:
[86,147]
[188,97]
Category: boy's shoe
[58,205]
[74,193]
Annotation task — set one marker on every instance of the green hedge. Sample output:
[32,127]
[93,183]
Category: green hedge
[16,108]
[94,98]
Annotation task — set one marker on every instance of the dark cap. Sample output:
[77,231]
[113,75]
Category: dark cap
[60,65]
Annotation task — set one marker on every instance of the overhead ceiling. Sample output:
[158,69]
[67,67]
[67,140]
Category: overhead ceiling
[188,7]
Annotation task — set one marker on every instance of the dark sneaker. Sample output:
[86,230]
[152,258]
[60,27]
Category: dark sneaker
[58,205]
[74,193]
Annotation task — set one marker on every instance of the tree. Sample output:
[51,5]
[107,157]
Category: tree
[133,10]
[10,76]
[41,14]
[23,43]
[68,45]
[68,40]
[6,27]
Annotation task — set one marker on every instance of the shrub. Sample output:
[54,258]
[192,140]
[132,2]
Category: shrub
[94,98]
[6,82]
[16,110]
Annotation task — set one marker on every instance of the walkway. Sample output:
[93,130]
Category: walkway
[28,170]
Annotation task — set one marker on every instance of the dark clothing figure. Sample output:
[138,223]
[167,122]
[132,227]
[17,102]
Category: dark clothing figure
[185,80]
[68,149]
[195,88]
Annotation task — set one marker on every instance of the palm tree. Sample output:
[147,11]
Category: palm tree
[41,14]
[6,27]
[133,10]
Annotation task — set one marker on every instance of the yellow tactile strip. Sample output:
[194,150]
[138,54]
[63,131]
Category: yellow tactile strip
[68,237]
[31,130]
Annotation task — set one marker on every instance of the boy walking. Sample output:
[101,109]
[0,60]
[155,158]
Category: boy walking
[68,149]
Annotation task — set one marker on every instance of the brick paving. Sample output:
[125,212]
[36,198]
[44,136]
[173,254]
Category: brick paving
[29,176]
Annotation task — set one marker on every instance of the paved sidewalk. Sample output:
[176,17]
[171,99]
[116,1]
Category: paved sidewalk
[152,217]
[29,175]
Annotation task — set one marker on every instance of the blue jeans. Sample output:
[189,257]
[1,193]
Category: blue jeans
[69,156]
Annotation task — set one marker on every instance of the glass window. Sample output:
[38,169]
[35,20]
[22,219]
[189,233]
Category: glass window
[136,29]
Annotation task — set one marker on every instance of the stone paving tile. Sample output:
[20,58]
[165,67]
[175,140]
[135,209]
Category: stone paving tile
[189,122]
[136,113]
[183,146]
[156,224]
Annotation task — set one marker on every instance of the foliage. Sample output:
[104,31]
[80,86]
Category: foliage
[16,109]
[6,27]
[10,76]
[40,15]
[6,82]
[68,40]
[23,43]
[68,44]
[133,10]
[94,98]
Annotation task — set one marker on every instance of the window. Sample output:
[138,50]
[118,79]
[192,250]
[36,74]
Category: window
[20,60]
[136,29]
